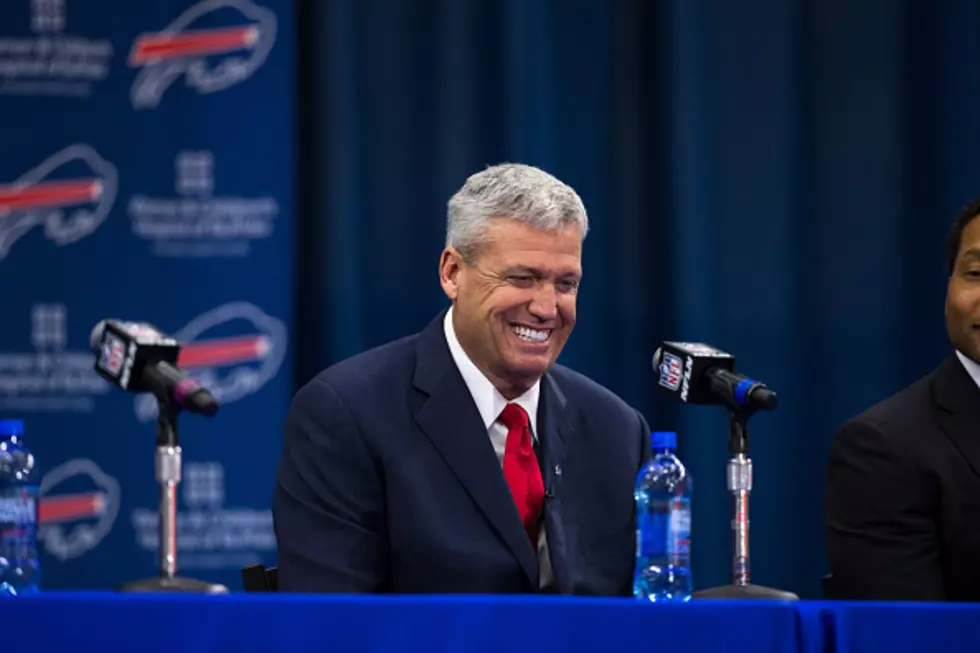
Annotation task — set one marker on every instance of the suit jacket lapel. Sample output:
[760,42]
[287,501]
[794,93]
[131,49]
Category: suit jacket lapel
[958,396]
[556,433]
[450,419]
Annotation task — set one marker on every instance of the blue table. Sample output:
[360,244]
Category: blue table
[259,623]
[270,623]
[889,627]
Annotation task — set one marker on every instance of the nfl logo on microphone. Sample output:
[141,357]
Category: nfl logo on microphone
[113,353]
[671,370]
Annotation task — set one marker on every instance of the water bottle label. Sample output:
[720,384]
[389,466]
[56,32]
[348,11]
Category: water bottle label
[18,510]
[664,529]
[679,533]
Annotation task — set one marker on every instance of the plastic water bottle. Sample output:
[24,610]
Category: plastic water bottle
[20,570]
[663,519]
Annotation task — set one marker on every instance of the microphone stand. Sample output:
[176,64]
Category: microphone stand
[168,465]
[739,482]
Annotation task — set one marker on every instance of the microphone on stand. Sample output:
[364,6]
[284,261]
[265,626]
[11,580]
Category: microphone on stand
[138,357]
[699,374]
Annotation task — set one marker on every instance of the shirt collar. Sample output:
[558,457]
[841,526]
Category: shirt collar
[971,366]
[488,399]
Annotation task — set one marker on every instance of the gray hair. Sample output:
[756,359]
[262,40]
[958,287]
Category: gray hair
[511,190]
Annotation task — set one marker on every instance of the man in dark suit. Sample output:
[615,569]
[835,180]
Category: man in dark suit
[462,459]
[903,482]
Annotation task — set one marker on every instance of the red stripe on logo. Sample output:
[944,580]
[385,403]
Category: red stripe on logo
[158,47]
[227,351]
[68,507]
[49,194]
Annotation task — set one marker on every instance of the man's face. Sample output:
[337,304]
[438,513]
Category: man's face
[514,303]
[963,295]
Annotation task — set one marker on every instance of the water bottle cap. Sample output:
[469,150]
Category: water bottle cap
[11,427]
[664,440]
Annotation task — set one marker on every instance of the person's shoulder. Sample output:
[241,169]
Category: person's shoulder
[369,370]
[599,414]
[582,391]
[901,409]
[898,420]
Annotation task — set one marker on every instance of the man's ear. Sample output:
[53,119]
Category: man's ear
[450,268]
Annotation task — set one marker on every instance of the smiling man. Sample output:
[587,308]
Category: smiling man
[463,459]
[903,483]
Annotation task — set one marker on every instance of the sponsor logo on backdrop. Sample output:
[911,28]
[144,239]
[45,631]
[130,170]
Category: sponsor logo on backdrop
[52,61]
[52,378]
[209,533]
[79,504]
[197,223]
[232,350]
[211,57]
[69,195]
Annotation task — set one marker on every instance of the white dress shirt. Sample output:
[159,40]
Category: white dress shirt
[490,403]
[971,366]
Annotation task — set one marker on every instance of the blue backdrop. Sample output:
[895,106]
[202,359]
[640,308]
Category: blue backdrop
[772,177]
[146,174]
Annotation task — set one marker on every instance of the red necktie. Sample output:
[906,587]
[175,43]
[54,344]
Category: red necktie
[521,469]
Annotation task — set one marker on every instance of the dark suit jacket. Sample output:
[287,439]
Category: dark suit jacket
[903,494]
[388,482]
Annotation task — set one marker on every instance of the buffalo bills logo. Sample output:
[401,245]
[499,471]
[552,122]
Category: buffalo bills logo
[78,506]
[212,58]
[70,194]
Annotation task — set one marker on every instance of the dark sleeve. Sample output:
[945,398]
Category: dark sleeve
[328,505]
[644,441]
[882,539]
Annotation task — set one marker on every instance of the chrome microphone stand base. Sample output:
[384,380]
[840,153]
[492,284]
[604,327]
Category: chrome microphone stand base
[175,584]
[745,592]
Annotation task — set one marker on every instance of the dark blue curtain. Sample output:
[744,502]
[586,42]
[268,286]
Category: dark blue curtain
[774,178]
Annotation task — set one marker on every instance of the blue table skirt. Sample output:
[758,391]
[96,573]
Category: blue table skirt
[271,623]
[113,623]
[895,627]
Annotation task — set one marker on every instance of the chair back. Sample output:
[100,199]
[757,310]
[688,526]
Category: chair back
[258,578]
